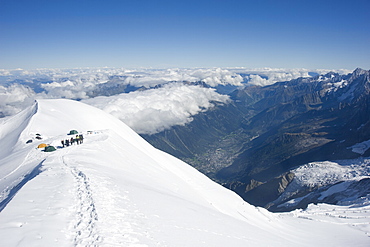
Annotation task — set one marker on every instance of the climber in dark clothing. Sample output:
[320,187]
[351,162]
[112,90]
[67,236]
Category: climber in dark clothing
[81,138]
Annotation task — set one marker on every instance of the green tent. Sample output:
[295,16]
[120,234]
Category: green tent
[49,149]
[73,132]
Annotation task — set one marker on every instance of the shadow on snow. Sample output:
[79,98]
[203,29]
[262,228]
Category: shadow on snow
[36,171]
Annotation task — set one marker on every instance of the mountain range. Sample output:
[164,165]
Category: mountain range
[253,144]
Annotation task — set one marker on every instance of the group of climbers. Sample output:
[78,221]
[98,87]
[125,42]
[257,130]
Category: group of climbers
[68,142]
[78,139]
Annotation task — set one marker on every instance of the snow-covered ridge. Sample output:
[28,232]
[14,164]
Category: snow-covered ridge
[330,172]
[361,147]
[117,190]
[340,182]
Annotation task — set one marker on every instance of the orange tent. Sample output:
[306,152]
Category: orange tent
[42,145]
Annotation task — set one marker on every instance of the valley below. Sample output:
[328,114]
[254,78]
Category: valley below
[253,144]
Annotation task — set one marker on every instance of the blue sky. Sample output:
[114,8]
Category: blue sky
[202,33]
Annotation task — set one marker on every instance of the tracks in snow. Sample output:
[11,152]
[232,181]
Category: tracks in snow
[104,214]
[84,225]
[86,212]
[101,212]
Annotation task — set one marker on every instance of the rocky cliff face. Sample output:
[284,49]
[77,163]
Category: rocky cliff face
[251,145]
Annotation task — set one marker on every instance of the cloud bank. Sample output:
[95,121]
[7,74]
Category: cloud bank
[155,110]
[163,97]
[268,76]
[135,77]
[15,98]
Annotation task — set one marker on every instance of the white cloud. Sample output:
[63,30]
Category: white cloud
[212,77]
[4,72]
[14,99]
[268,76]
[155,110]
[258,80]
[67,89]
[149,111]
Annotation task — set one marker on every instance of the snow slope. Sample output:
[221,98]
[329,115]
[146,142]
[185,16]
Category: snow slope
[115,189]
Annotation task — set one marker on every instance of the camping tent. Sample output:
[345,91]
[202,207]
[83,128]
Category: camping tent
[49,149]
[42,145]
[73,132]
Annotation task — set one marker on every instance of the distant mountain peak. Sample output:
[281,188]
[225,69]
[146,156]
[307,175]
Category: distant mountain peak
[358,72]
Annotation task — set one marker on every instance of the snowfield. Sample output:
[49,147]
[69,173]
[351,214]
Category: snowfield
[115,189]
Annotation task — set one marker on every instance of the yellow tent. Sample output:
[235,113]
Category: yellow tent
[42,145]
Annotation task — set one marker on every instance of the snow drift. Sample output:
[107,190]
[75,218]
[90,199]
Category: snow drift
[115,189]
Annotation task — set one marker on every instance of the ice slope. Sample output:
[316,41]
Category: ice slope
[115,189]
